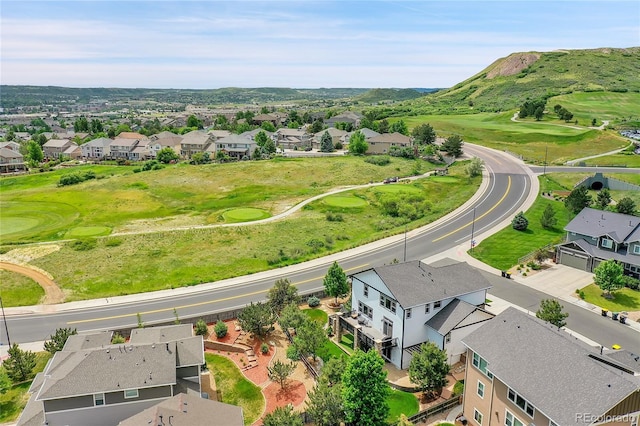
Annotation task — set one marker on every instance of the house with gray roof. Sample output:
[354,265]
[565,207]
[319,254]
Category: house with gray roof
[349,117]
[524,371]
[122,148]
[11,161]
[398,307]
[92,382]
[54,148]
[383,143]
[235,146]
[188,410]
[292,138]
[96,149]
[337,136]
[596,235]
[194,142]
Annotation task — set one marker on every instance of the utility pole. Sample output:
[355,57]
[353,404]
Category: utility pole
[405,244]
[544,168]
[4,318]
[473,224]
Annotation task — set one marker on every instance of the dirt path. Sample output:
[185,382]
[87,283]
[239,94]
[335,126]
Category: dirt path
[52,293]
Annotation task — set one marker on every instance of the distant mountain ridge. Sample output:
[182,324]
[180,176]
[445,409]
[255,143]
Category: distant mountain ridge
[509,81]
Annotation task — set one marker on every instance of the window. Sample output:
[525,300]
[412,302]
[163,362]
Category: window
[408,313]
[636,249]
[481,365]
[511,420]
[385,302]
[606,243]
[477,416]
[98,399]
[366,291]
[437,304]
[480,389]
[427,308]
[131,393]
[447,338]
[520,402]
[366,310]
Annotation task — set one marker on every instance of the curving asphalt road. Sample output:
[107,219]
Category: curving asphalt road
[510,187]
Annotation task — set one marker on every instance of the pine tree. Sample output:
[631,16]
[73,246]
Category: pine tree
[519,222]
[20,364]
[326,143]
[548,219]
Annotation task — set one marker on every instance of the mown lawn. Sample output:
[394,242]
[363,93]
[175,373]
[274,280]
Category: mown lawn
[13,402]
[128,264]
[235,388]
[330,350]
[503,249]
[401,403]
[624,299]
[317,315]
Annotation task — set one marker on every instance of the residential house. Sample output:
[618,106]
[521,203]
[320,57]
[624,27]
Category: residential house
[219,134]
[274,118]
[292,138]
[131,135]
[251,134]
[382,144]
[122,148]
[597,235]
[92,382]
[349,117]
[11,161]
[54,148]
[195,141]
[162,140]
[96,149]
[14,146]
[398,307]
[337,136]
[188,410]
[74,152]
[523,371]
[235,146]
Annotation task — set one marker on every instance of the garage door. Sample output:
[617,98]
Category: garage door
[573,260]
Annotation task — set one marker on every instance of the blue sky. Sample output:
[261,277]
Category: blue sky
[301,44]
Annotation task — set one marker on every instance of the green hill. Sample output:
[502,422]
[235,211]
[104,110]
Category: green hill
[508,82]
[388,95]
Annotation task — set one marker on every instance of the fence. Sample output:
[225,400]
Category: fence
[439,408]
[304,360]
[530,256]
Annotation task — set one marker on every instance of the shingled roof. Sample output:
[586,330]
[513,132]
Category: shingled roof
[554,371]
[595,223]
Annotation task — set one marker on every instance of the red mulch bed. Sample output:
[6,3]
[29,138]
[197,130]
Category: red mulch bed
[293,393]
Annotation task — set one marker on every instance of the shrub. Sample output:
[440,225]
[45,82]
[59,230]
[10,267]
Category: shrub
[220,329]
[334,217]
[519,222]
[201,328]
[630,282]
[264,348]
[117,338]
[378,160]
[83,245]
[313,301]
[458,388]
[113,242]
[292,353]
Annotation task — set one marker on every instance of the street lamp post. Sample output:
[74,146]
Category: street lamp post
[4,318]
[544,167]
[473,224]
[405,244]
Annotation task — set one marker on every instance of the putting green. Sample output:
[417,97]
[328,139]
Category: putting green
[27,220]
[395,188]
[444,179]
[245,215]
[87,231]
[345,202]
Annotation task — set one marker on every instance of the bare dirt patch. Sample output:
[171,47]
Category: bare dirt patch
[513,64]
[52,293]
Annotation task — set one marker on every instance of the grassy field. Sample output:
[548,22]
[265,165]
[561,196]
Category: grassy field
[129,264]
[235,388]
[610,106]
[35,209]
[530,139]
[318,315]
[503,249]
[18,290]
[624,299]
[13,402]
[401,403]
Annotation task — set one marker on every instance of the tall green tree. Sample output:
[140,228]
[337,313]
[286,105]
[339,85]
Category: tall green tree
[34,154]
[58,339]
[383,126]
[326,143]
[167,155]
[365,390]
[608,276]
[292,317]
[325,404]
[280,371]
[257,318]
[358,143]
[603,199]
[399,126]
[282,294]
[335,282]
[424,134]
[626,205]
[551,311]
[5,381]
[316,126]
[268,126]
[283,416]
[548,219]
[333,370]
[453,146]
[261,138]
[20,364]
[578,199]
[310,337]
[428,368]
